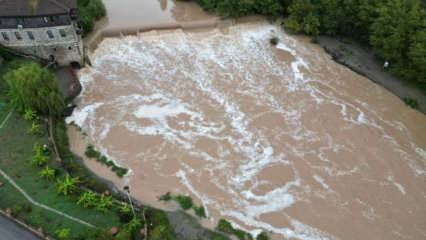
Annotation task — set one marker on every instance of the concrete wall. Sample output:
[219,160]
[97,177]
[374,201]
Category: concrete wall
[47,42]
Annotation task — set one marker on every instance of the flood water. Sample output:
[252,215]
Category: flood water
[279,138]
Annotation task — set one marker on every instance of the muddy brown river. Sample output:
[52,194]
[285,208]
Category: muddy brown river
[279,138]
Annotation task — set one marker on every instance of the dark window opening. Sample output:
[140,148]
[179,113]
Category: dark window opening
[30,35]
[5,36]
[50,34]
[62,32]
[18,36]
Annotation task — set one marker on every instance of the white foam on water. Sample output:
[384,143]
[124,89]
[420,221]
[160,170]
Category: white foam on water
[321,181]
[397,185]
[79,116]
[222,66]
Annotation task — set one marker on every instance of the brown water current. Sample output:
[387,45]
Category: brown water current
[279,138]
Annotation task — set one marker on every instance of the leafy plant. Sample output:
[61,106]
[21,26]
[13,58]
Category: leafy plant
[34,129]
[68,185]
[185,202]
[47,173]
[274,41]
[166,197]
[104,203]
[411,102]
[125,208]
[88,199]
[134,224]
[63,233]
[226,227]
[200,211]
[29,115]
[262,236]
[39,159]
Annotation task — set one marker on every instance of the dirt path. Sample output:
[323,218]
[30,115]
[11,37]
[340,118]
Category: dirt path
[365,63]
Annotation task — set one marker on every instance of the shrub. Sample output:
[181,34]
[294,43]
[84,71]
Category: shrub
[68,185]
[200,211]
[226,227]
[90,12]
[47,173]
[104,203]
[87,199]
[63,233]
[274,41]
[166,197]
[91,152]
[411,102]
[262,236]
[33,87]
[184,202]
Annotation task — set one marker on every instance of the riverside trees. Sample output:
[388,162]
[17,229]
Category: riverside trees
[395,29]
[32,87]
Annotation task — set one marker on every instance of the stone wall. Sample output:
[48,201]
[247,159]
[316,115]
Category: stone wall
[59,42]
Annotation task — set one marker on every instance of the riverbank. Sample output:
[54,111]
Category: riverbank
[364,62]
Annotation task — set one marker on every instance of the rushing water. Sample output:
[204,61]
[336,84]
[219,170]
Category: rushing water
[276,138]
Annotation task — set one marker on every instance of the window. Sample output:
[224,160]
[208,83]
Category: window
[50,34]
[18,36]
[5,36]
[30,35]
[63,33]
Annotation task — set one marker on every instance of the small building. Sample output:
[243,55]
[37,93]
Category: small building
[46,29]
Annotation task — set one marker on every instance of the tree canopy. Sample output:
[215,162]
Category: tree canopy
[395,29]
[32,87]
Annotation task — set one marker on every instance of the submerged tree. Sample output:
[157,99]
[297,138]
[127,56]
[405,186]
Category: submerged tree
[32,87]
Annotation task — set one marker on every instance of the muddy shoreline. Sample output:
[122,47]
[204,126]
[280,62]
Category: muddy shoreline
[363,62]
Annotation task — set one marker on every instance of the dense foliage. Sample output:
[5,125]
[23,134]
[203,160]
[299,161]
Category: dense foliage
[32,87]
[395,29]
[90,11]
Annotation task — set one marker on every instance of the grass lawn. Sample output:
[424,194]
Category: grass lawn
[15,153]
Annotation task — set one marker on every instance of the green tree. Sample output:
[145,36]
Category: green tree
[68,185]
[47,173]
[32,87]
[87,199]
[302,18]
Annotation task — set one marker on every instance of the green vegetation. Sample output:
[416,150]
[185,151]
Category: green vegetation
[199,211]
[185,202]
[160,228]
[90,12]
[394,29]
[411,102]
[32,87]
[91,152]
[262,236]
[226,227]
[274,41]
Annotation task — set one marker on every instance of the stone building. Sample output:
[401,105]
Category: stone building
[45,29]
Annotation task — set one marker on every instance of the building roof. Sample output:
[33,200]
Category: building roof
[22,8]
